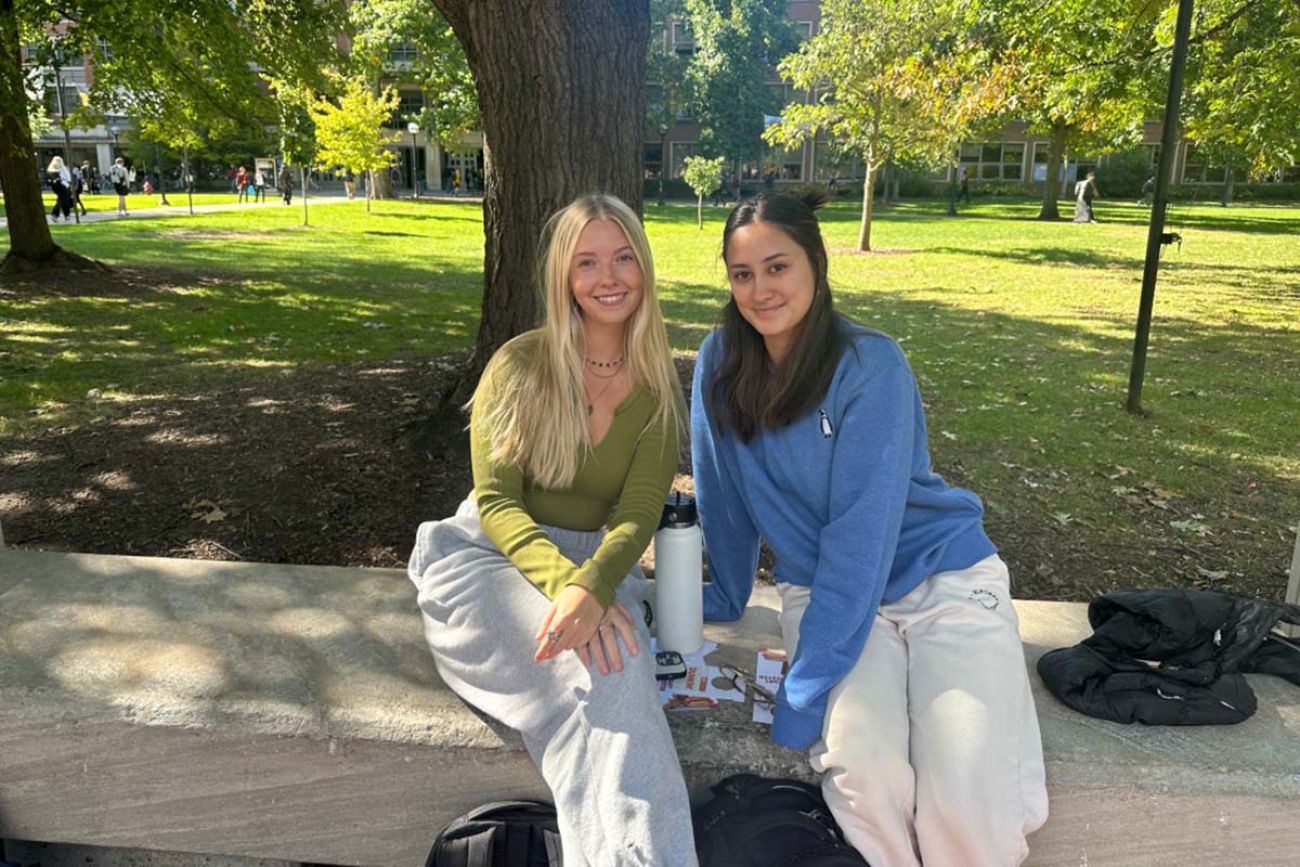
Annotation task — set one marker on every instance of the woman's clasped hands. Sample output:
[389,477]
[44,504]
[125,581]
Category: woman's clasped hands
[576,622]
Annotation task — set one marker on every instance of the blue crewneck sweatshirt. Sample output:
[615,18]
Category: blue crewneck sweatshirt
[845,498]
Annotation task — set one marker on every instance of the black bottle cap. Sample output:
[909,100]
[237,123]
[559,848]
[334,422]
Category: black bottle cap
[679,511]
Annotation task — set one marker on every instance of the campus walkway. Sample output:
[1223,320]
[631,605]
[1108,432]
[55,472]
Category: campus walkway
[180,208]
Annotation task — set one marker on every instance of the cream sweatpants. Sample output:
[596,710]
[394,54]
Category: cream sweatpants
[930,751]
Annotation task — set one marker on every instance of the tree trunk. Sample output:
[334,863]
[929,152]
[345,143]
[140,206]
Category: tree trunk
[894,179]
[383,185]
[868,193]
[953,189]
[561,93]
[699,212]
[882,185]
[1229,183]
[302,173]
[370,188]
[1051,189]
[185,178]
[30,242]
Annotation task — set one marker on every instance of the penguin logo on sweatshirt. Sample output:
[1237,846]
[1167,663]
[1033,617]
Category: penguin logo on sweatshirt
[827,430]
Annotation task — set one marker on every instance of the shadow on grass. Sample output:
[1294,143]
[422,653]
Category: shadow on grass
[1047,255]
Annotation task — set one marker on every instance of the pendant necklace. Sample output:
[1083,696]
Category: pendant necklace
[591,403]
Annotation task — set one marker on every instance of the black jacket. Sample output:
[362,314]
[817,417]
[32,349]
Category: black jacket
[1173,657]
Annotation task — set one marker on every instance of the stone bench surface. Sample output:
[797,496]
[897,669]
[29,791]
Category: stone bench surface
[294,712]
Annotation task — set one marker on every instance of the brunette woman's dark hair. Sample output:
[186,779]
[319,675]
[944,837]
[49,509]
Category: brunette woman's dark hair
[748,391]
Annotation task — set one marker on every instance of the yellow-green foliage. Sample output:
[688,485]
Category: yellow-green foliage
[351,131]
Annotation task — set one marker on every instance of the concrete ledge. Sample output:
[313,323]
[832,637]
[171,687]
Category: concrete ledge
[292,712]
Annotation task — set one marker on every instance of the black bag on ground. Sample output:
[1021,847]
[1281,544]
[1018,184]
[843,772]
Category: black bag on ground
[756,822]
[500,834]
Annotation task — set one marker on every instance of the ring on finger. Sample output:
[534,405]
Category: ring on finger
[553,635]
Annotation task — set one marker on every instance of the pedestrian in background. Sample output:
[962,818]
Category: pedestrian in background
[60,181]
[79,175]
[1084,192]
[120,178]
[285,184]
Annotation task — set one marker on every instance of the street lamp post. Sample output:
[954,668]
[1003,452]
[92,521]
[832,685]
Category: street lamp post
[413,128]
[113,130]
[663,161]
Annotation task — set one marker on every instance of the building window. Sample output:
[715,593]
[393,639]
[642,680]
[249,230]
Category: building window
[788,163]
[678,152]
[995,161]
[409,107]
[71,99]
[804,29]
[403,52]
[1013,161]
[683,39]
[652,159]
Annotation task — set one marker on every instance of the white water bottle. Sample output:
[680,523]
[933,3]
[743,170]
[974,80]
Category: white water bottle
[679,577]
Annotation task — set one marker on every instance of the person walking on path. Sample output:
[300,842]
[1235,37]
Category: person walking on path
[59,178]
[907,680]
[79,175]
[531,595]
[285,184]
[964,191]
[241,183]
[259,185]
[1084,192]
[119,177]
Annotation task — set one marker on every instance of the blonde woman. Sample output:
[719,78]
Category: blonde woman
[529,593]
[60,181]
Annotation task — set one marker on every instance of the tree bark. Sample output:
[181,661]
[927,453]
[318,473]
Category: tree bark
[1229,185]
[383,183]
[1051,190]
[561,92]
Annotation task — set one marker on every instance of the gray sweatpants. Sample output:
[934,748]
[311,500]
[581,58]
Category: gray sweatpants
[600,741]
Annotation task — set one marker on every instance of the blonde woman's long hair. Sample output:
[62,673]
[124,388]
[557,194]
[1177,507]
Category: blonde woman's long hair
[538,420]
[56,165]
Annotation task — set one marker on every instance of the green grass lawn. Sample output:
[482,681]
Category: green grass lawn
[107,201]
[1020,333]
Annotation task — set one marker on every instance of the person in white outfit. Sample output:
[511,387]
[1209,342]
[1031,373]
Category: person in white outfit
[907,681]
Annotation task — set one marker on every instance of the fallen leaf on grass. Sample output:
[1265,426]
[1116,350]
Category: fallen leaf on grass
[1190,527]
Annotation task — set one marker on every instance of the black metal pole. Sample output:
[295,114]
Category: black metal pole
[663,164]
[1164,173]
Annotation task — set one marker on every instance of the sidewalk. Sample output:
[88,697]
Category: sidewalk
[180,208]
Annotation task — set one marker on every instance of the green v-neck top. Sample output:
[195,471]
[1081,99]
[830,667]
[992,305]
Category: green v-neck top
[620,485]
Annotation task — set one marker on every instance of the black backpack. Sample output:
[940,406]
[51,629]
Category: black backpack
[500,834]
[755,822]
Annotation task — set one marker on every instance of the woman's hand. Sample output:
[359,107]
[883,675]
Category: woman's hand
[570,622]
[603,647]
